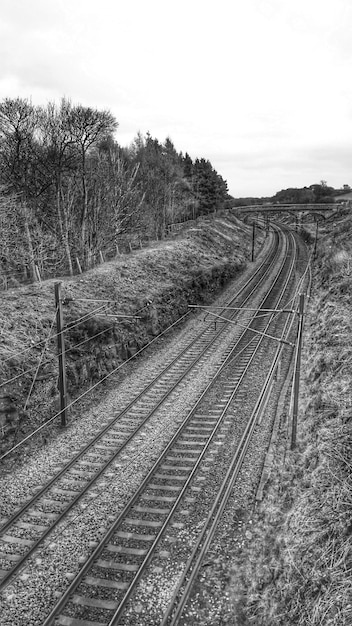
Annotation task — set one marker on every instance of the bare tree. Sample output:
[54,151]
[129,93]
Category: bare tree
[125,192]
[88,127]
[18,124]
[60,163]
[16,244]
[115,196]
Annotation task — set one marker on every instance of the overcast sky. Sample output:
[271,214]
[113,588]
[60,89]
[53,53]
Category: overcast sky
[261,88]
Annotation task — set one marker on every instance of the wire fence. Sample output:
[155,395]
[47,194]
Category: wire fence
[36,272]
[11,278]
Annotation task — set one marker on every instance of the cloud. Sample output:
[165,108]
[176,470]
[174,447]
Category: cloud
[260,88]
[32,16]
[262,172]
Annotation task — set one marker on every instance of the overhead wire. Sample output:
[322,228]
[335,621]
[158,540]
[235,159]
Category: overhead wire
[77,345]
[11,380]
[34,432]
[80,320]
[50,420]
[40,361]
[16,354]
[83,318]
[54,356]
[93,300]
[124,362]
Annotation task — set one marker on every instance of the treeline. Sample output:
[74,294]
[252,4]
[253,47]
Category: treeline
[68,190]
[248,201]
[317,193]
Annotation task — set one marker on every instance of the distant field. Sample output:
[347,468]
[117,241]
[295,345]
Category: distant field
[345,196]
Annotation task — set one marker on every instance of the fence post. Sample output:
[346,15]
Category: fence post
[61,354]
[38,274]
[78,265]
[297,371]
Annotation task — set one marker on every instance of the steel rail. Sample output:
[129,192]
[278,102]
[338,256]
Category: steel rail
[111,531]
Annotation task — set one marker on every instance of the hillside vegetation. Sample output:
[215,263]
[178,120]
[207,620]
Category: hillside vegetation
[314,194]
[296,568]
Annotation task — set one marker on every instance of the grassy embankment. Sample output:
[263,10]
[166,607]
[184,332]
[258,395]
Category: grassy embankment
[296,566]
[156,284]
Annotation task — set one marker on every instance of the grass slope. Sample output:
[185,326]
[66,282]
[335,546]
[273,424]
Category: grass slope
[297,566]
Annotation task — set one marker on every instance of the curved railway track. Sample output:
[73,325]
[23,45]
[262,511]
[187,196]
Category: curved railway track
[30,524]
[182,592]
[146,532]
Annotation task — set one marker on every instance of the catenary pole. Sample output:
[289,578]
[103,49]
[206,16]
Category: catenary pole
[61,354]
[253,240]
[297,371]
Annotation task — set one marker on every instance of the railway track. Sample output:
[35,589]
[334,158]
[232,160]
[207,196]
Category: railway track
[32,522]
[149,529]
[190,574]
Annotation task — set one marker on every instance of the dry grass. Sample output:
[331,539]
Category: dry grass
[298,569]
